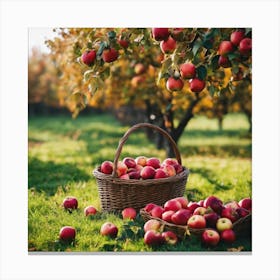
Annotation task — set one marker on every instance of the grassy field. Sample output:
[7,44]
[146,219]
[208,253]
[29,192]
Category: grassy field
[62,153]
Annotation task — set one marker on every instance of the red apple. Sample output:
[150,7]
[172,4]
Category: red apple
[242,212]
[168,45]
[181,217]
[210,237]
[223,223]
[232,204]
[121,168]
[110,55]
[67,233]
[192,206]
[214,203]
[90,210]
[134,174]
[236,37]
[211,219]
[141,160]
[157,212]
[245,46]
[148,172]
[201,202]
[230,213]
[172,204]
[153,238]
[125,176]
[123,42]
[160,173]
[109,229]
[70,202]
[237,76]
[129,162]
[149,207]
[246,203]
[178,168]
[196,221]
[139,68]
[183,200]
[228,235]
[177,34]
[152,225]
[169,170]
[174,84]
[199,211]
[224,62]
[129,213]
[225,48]
[88,57]
[187,70]
[170,237]
[160,34]
[106,167]
[169,161]
[197,85]
[137,81]
[154,162]
[166,216]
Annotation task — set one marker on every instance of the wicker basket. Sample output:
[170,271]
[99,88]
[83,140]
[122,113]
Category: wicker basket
[242,227]
[116,194]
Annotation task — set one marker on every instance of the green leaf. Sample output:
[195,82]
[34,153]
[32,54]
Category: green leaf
[232,56]
[196,47]
[201,72]
[105,74]
[235,69]
[212,90]
[214,62]
[111,35]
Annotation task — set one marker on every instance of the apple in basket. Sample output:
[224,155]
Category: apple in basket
[196,222]
[106,167]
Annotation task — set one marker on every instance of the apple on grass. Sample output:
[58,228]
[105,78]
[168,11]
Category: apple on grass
[90,210]
[210,237]
[196,222]
[153,238]
[223,223]
[70,202]
[228,235]
[129,213]
[67,234]
[152,225]
[170,237]
[109,229]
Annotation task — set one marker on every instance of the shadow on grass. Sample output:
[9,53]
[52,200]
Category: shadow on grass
[48,176]
[210,177]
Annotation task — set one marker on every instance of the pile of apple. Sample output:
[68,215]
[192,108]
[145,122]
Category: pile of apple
[143,168]
[214,218]
[67,234]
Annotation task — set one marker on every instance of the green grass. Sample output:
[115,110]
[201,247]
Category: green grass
[63,152]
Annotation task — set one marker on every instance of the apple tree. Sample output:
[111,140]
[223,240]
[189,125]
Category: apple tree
[169,72]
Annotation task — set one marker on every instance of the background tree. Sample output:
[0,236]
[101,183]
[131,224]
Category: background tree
[168,72]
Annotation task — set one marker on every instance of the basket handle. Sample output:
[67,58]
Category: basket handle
[142,125]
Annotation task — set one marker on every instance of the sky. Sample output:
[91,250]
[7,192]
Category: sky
[37,36]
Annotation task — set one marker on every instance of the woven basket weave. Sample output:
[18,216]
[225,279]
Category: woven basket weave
[116,194]
[242,227]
